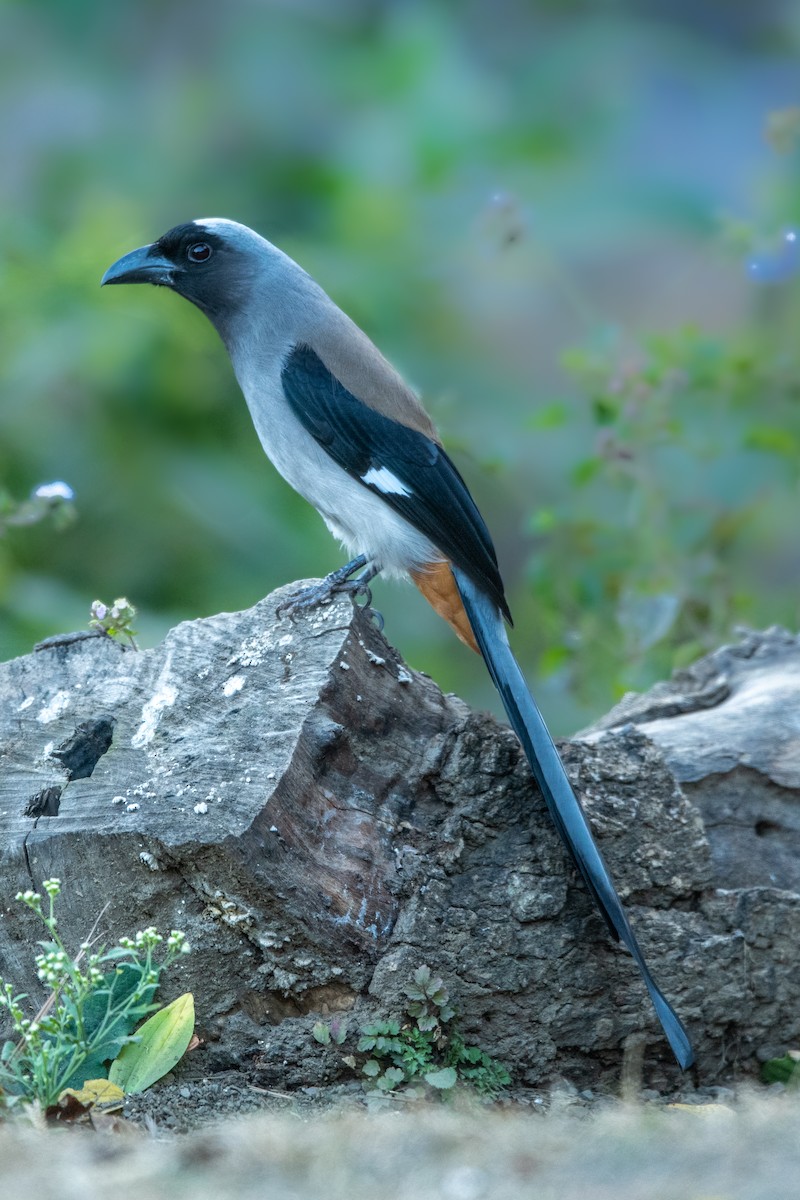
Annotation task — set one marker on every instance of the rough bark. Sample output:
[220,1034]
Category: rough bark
[320,820]
[729,729]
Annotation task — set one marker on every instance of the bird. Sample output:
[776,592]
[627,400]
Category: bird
[346,432]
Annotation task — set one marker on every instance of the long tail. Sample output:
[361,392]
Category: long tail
[568,816]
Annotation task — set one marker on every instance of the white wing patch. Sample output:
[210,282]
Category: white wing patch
[383,479]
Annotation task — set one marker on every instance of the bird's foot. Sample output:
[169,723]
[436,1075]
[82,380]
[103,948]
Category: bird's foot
[322,593]
[361,594]
[332,585]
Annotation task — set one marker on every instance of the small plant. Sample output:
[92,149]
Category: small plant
[98,998]
[333,1034]
[54,500]
[783,1070]
[423,1053]
[114,619]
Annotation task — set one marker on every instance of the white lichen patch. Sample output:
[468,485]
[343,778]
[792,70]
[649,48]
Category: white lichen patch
[323,614]
[164,696]
[252,650]
[54,707]
[201,808]
[25,704]
[375,659]
[233,685]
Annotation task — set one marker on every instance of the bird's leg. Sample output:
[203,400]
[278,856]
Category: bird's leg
[337,581]
[360,590]
[323,593]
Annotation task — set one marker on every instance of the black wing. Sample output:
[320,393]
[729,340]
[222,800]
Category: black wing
[360,439]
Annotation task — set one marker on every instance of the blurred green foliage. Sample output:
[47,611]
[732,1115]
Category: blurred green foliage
[682,521]
[542,212]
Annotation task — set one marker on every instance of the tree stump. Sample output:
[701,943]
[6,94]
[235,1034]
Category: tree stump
[320,820]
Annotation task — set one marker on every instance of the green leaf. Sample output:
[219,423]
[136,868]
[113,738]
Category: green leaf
[390,1079]
[442,1079]
[321,1033]
[371,1067]
[470,1054]
[338,1030]
[427,1022]
[117,988]
[93,1067]
[162,1041]
[380,1028]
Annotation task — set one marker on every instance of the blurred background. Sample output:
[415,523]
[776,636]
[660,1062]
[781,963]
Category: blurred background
[569,224]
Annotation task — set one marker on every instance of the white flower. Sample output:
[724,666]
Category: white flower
[57,490]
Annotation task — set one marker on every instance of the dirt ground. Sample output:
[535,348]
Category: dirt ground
[189,1104]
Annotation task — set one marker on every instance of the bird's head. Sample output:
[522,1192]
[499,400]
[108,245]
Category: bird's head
[213,262]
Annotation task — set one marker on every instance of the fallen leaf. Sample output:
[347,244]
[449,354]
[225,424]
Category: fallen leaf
[96,1091]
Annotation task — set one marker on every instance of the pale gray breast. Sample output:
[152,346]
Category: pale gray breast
[362,521]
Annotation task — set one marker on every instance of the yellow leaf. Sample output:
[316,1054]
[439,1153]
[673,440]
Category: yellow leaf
[96,1091]
[160,1043]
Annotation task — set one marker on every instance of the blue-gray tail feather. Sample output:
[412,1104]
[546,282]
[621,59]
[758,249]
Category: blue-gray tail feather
[565,809]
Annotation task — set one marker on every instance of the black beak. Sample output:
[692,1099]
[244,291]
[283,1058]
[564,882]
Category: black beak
[145,265]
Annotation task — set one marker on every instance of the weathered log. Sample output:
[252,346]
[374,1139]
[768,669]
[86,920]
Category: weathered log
[729,729]
[320,820]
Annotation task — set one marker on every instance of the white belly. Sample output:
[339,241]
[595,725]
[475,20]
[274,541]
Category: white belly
[361,520]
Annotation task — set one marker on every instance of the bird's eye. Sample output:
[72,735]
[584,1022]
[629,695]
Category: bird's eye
[199,252]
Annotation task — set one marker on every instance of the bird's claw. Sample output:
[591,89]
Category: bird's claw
[361,594]
[338,581]
[306,599]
